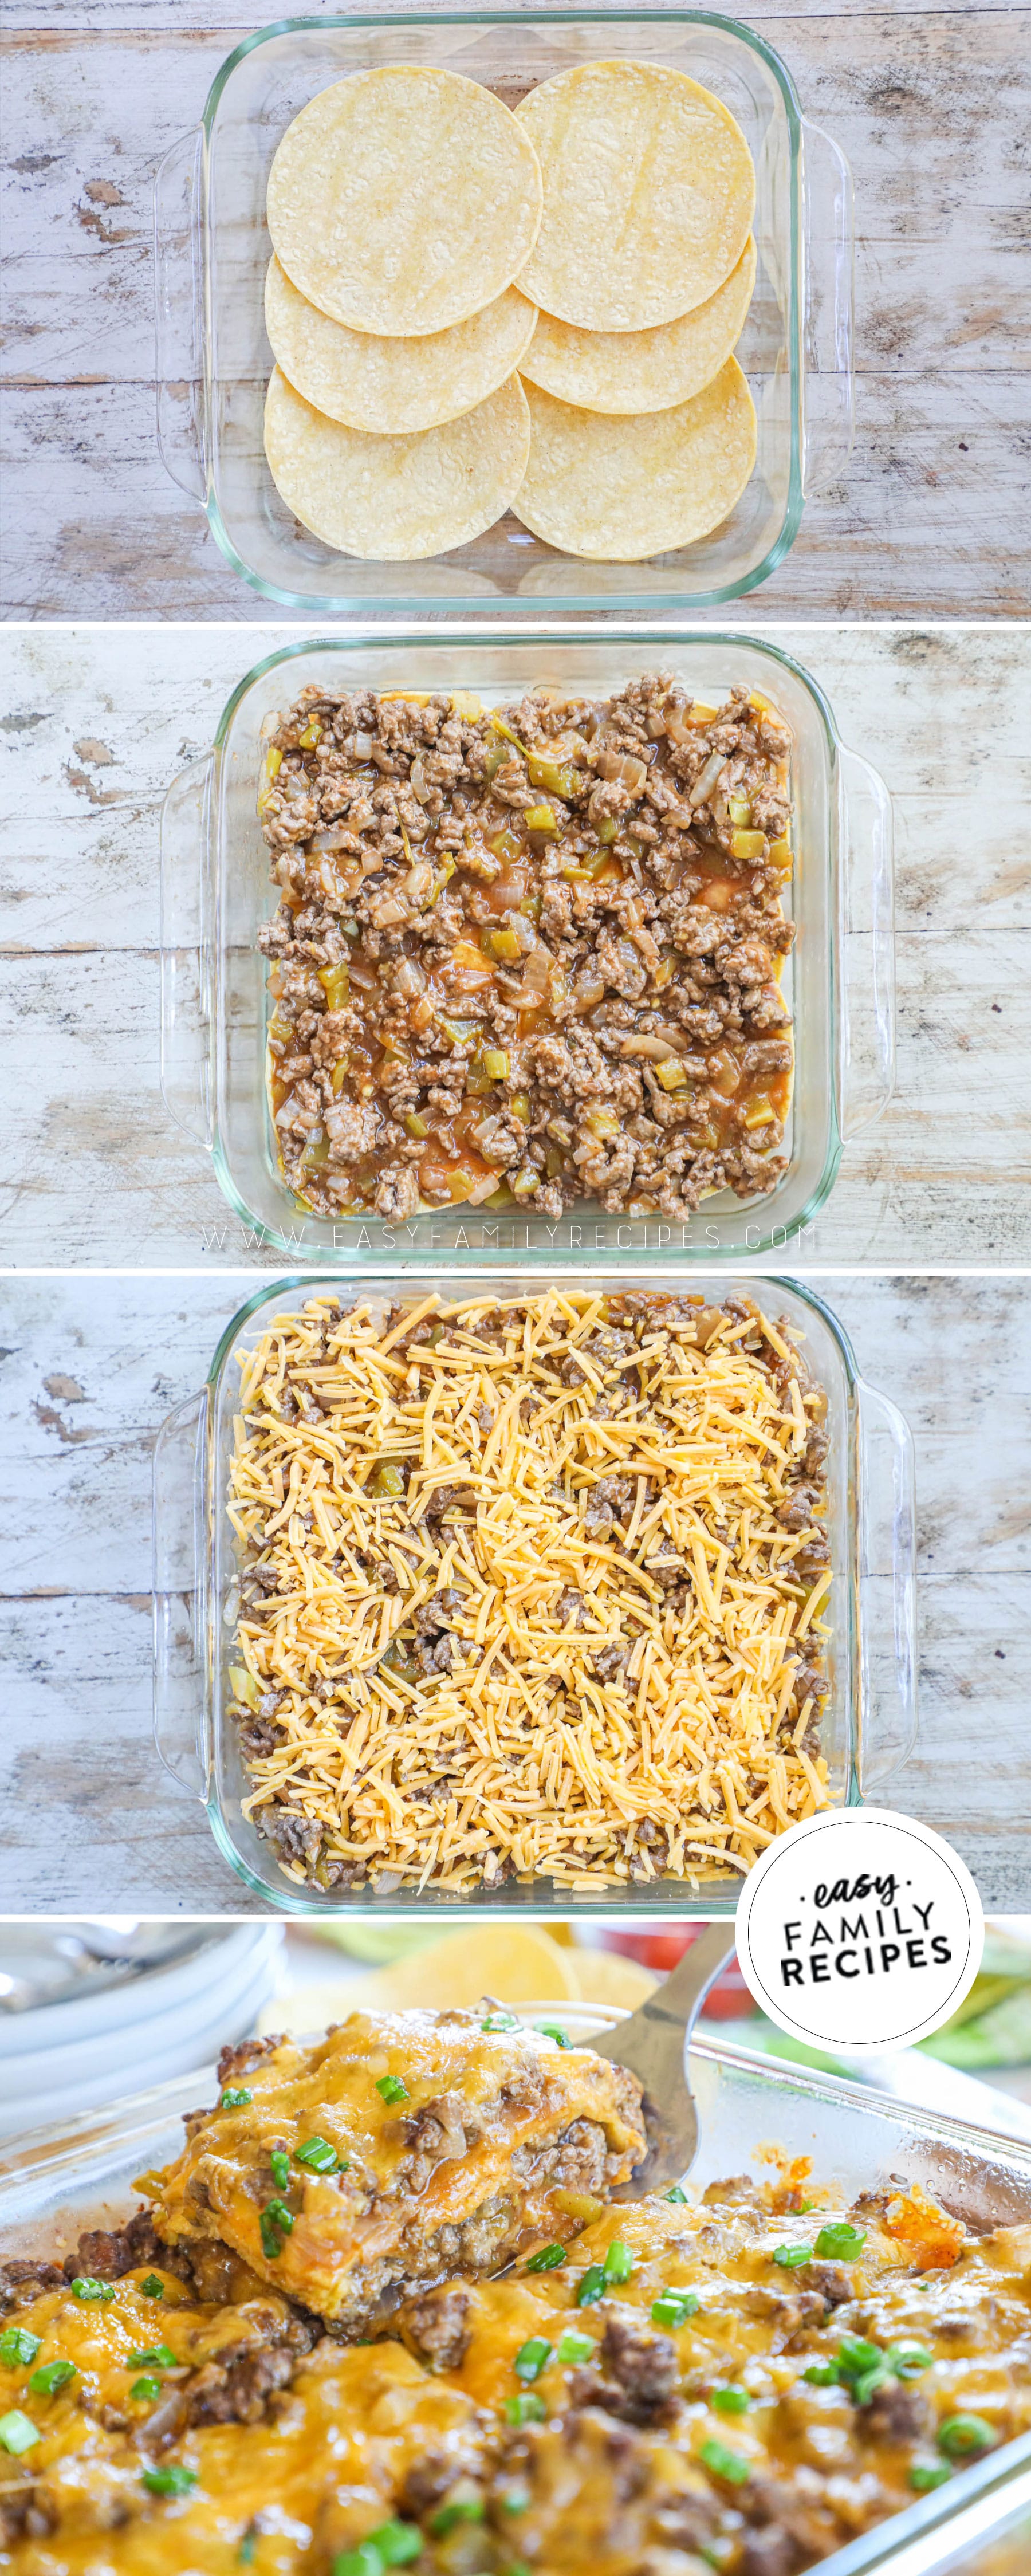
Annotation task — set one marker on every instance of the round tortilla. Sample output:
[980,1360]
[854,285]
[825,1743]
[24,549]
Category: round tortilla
[394,385]
[649,191]
[402,200]
[621,371]
[395,499]
[619,487]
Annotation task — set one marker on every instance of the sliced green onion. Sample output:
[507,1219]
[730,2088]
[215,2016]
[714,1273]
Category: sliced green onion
[397,2542]
[619,2261]
[907,2360]
[591,2288]
[234,2097]
[790,2256]
[391,2088]
[677,2195]
[527,2408]
[868,2383]
[552,2030]
[18,2347]
[145,2390]
[823,2374]
[855,2356]
[158,2356]
[317,2155]
[448,2517]
[547,2260]
[730,2401]
[725,2463]
[152,2288]
[175,2480]
[53,2375]
[501,2021]
[841,2238]
[92,2293]
[673,2307]
[575,2348]
[279,2164]
[532,2358]
[17,2433]
[962,2437]
[515,2500]
[926,2474]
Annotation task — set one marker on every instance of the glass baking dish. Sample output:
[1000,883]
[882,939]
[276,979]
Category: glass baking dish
[870,1715]
[215,892]
[213,359]
[57,2181]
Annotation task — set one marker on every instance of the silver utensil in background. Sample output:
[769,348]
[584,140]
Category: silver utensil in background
[653,2043]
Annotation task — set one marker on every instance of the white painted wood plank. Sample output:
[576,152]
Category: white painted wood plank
[933,109]
[79,1781]
[93,725]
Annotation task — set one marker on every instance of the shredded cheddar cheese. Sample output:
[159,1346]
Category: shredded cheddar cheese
[516,1598]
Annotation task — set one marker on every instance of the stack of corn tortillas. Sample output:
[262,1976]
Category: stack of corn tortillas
[473,310]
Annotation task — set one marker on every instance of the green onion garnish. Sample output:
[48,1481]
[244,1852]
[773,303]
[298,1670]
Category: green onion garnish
[790,2256]
[234,2098]
[592,2287]
[17,2434]
[926,2474]
[619,2261]
[962,2437]
[90,2293]
[18,2347]
[730,2401]
[527,2408]
[823,2374]
[547,2260]
[552,2030]
[152,2288]
[532,2358]
[318,2156]
[279,2164]
[448,2516]
[673,2307]
[724,2463]
[175,2480]
[52,2376]
[575,2348]
[391,2088]
[677,2195]
[145,2390]
[841,2238]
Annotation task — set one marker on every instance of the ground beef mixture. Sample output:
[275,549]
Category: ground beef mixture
[530,955]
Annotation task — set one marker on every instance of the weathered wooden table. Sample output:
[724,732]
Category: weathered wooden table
[90,1367]
[933,107]
[95,722]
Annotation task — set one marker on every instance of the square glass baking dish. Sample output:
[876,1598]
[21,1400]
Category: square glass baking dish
[870,1714]
[213,359]
[56,2181]
[215,892]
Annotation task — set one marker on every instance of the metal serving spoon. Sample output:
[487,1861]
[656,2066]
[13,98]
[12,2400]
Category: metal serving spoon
[653,2043]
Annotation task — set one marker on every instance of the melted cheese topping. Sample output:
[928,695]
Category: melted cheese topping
[439,2131]
[343,2448]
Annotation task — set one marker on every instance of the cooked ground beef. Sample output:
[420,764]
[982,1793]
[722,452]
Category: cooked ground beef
[529,955]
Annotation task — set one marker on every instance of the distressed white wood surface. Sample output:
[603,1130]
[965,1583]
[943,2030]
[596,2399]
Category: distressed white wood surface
[94,723]
[933,107]
[91,1366]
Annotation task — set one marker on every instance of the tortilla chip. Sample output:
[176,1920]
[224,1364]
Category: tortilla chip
[649,191]
[401,200]
[390,386]
[395,499]
[621,371]
[619,487]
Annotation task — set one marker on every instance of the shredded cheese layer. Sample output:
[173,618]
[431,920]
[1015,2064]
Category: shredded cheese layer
[516,1597]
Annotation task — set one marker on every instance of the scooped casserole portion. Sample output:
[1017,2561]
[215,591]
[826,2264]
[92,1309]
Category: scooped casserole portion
[530,1587]
[747,2383]
[398,2148]
[528,955]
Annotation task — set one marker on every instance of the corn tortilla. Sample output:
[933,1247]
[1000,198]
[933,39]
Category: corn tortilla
[618,487]
[394,385]
[396,499]
[649,191]
[402,200]
[623,371]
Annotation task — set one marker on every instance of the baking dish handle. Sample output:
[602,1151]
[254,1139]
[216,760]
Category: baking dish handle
[179,315]
[886,1588]
[178,1559]
[187,1016]
[828,296]
[866,841]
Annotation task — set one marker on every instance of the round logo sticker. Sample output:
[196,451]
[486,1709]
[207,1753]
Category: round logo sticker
[861,1927]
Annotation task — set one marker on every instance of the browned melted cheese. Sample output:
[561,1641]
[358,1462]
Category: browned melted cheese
[448,2174]
[603,2478]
